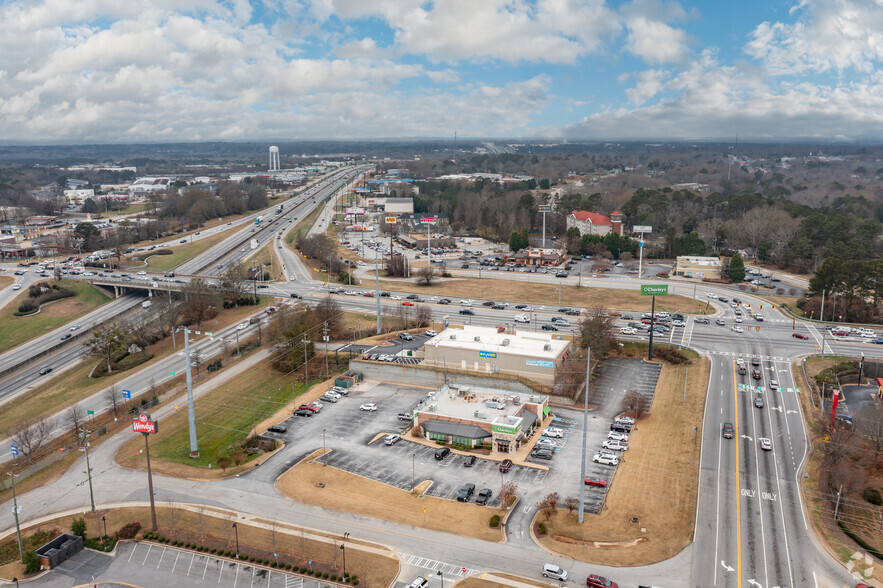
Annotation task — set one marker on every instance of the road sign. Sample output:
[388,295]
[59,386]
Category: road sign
[92,412]
[143,424]
[642,229]
[355,210]
[428,220]
[127,394]
[545,208]
[15,510]
[654,289]
[14,449]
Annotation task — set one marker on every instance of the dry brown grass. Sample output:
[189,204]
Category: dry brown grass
[547,294]
[212,528]
[657,482]
[6,281]
[487,581]
[268,257]
[366,497]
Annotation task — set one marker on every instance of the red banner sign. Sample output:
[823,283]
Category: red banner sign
[143,424]
[429,220]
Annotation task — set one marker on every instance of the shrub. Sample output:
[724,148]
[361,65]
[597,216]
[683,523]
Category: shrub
[78,527]
[495,521]
[325,575]
[333,577]
[287,566]
[872,495]
[146,534]
[128,531]
[541,529]
[355,581]
[27,306]
[32,562]
[213,551]
[861,542]
[251,559]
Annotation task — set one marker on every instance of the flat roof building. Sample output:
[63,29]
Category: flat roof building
[532,355]
[698,267]
[474,416]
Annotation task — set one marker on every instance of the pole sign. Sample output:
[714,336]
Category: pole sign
[545,208]
[654,289]
[428,220]
[355,210]
[642,229]
[127,394]
[391,220]
[143,424]
[14,450]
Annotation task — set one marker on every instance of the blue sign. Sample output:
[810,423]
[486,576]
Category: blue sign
[127,394]
[540,363]
[14,449]
[446,322]
[487,354]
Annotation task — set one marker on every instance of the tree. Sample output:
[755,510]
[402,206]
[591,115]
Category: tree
[548,506]
[736,268]
[223,463]
[30,435]
[234,284]
[112,395]
[200,302]
[291,327]
[106,342]
[597,332]
[88,234]
[635,403]
[570,503]
[423,315]
[426,276]
[507,492]
[75,417]
[89,206]
[329,312]
[78,527]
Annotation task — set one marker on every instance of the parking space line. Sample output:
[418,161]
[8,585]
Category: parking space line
[192,557]
[145,556]
[236,577]
[161,555]
[205,569]
[176,561]
[133,552]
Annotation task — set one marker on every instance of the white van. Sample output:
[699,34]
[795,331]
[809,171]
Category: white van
[553,571]
[522,318]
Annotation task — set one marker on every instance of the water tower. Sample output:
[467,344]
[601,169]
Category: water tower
[274,158]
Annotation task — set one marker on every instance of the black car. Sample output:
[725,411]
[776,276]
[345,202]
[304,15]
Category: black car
[737,300]
[384,294]
[546,327]
[444,301]
[626,317]
[45,371]
[295,295]
[572,313]
[505,465]
[484,496]
[488,303]
[498,307]
[465,492]
[561,275]
[469,461]
[442,453]
[303,412]
[722,299]
[66,336]
[564,310]
[412,296]
[277,429]
[620,427]
[467,311]
[542,454]
[520,306]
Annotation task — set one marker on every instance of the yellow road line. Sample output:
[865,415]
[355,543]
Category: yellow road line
[738,488]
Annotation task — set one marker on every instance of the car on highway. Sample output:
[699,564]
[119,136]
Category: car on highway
[553,432]
[738,329]
[766,444]
[755,374]
[774,385]
[45,371]
[505,465]
[66,336]
[599,482]
[799,336]
[738,319]
[469,461]
[605,459]
[596,581]
[549,327]
[467,311]
[241,326]
[142,273]
[522,318]
[369,406]
[728,431]
[615,445]
[407,303]
[758,401]
[877,341]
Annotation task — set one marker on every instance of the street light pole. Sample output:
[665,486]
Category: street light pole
[439,573]
[236,530]
[88,469]
[324,451]
[344,558]
[15,512]
[104,520]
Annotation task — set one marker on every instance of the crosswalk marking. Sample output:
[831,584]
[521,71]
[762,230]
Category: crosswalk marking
[435,565]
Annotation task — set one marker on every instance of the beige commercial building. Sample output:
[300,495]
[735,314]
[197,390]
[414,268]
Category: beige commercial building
[532,355]
[698,267]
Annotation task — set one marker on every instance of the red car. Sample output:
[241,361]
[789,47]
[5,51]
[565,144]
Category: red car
[799,336]
[596,482]
[596,581]
[308,407]
[501,329]
[407,303]
[368,294]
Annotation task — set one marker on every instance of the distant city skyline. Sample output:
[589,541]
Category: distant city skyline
[236,70]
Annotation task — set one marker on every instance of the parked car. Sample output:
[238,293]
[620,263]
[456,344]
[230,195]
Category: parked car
[469,461]
[505,465]
[620,427]
[303,412]
[406,336]
[442,453]
[419,582]
[277,429]
[599,482]
[310,407]
[605,459]
[615,445]
[618,436]
[430,333]
[370,407]
[626,420]
[553,571]
[392,439]
[328,398]
[596,581]
[542,453]
[553,433]
[465,492]
[484,496]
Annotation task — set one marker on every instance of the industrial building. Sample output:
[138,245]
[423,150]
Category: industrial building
[474,416]
[530,354]
[708,268]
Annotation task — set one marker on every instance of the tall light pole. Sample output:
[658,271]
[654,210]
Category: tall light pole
[582,475]
[544,210]
[17,528]
[236,530]
[191,414]
[85,436]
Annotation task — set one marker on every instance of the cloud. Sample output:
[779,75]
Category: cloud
[649,83]
[656,42]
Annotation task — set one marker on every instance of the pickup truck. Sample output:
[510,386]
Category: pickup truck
[406,416]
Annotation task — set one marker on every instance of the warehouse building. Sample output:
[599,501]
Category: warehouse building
[532,355]
[471,416]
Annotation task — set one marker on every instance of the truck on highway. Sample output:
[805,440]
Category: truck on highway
[258,220]
[279,209]
[254,243]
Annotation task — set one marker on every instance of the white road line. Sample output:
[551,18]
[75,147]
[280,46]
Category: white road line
[766,574]
[133,553]
[176,561]
[192,557]
[205,569]
[779,492]
[717,514]
[161,555]
[145,555]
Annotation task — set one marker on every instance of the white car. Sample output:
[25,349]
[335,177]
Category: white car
[678,323]
[615,436]
[369,407]
[391,439]
[628,331]
[615,445]
[868,334]
[465,303]
[89,274]
[553,432]
[333,394]
[712,295]
[16,286]
[774,384]
[605,459]
[522,318]
[625,420]
[142,273]
[75,327]
[737,328]
[738,319]
[241,326]
[430,333]
[395,297]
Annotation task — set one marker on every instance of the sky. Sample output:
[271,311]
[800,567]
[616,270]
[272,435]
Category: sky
[106,71]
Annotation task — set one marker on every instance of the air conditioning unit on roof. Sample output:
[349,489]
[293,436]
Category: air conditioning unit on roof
[547,347]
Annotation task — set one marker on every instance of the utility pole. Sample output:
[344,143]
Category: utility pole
[582,474]
[822,314]
[304,340]
[377,280]
[191,414]
[325,338]
[837,506]
[15,511]
[85,438]
[544,210]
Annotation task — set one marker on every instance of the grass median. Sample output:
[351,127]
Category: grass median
[650,510]
[547,294]
[310,482]
[15,330]
[182,252]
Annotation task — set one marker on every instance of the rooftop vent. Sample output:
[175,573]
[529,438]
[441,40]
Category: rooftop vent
[547,347]
[453,337]
[505,342]
[477,338]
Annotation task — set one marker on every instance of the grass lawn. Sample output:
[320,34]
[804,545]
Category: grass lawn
[224,418]
[15,330]
[6,281]
[352,493]
[663,454]
[547,294]
[266,256]
[181,252]
[303,225]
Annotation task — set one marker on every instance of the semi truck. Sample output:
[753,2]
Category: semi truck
[258,220]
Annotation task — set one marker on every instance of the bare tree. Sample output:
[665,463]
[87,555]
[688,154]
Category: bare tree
[106,342]
[195,359]
[635,403]
[30,435]
[422,315]
[570,503]
[507,492]
[330,312]
[426,276]
[548,506]
[75,417]
[200,523]
[112,395]
[872,427]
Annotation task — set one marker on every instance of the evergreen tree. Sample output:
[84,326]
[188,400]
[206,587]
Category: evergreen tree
[736,268]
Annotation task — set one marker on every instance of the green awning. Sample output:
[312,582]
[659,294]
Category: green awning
[546,410]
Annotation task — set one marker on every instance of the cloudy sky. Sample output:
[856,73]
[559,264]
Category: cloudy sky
[196,70]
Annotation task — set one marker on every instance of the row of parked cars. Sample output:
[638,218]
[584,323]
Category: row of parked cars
[616,442]
[592,580]
[332,395]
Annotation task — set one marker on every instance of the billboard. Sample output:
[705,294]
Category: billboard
[642,229]
[143,424]
[428,220]
[540,363]
[355,210]
[390,220]
[654,289]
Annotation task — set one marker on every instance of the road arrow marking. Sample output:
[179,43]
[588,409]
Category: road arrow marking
[746,437]
[726,567]
[790,412]
[779,408]
[753,583]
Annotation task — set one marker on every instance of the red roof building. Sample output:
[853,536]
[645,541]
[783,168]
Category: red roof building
[592,223]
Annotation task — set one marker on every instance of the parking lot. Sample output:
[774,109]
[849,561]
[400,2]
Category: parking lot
[349,432]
